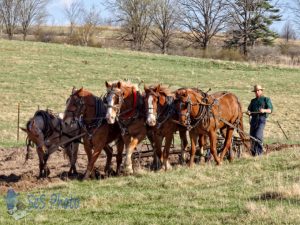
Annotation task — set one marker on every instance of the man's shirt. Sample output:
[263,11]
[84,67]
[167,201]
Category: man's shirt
[260,103]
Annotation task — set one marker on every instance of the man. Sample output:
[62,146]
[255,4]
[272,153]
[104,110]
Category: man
[258,109]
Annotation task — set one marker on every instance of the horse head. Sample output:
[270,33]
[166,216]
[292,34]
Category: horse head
[155,99]
[120,99]
[75,105]
[34,130]
[187,105]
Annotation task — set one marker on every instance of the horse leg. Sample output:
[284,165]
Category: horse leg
[158,156]
[109,153]
[213,146]
[88,151]
[227,143]
[193,137]
[168,142]
[72,152]
[41,162]
[45,167]
[130,146]
[184,144]
[120,148]
[74,158]
[202,142]
[68,150]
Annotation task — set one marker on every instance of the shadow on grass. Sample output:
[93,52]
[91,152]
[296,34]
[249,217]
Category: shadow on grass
[273,195]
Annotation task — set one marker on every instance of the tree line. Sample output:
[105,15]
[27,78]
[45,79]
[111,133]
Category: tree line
[241,22]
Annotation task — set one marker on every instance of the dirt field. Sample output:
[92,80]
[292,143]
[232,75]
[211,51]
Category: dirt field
[14,173]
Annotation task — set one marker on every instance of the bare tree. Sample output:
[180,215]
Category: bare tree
[203,19]
[73,12]
[288,32]
[295,8]
[250,20]
[90,20]
[165,19]
[135,17]
[31,11]
[1,25]
[10,11]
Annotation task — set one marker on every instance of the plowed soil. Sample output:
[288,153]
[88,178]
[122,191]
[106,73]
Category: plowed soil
[21,176]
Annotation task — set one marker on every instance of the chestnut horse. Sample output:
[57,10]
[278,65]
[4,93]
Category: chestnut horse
[47,131]
[204,114]
[125,106]
[99,134]
[160,112]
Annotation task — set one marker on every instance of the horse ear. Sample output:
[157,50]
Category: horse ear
[158,88]
[23,129]
[146,87]
[73,90]
[119,84]
[107,84]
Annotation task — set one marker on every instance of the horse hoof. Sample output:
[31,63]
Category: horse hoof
[110,172]
[202,160]
[128,171]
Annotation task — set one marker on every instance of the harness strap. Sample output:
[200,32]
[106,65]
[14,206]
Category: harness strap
[131,111]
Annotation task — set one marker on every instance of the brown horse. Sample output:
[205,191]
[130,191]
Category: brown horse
[98,133]
[204,114]
[47,131]
[160,112]
[125,106]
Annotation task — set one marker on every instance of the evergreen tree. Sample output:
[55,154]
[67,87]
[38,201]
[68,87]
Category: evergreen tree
[250,21]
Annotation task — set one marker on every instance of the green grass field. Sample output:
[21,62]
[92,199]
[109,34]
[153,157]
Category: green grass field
[261,190]
[42,75]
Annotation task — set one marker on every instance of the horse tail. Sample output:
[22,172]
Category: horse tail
[240,130]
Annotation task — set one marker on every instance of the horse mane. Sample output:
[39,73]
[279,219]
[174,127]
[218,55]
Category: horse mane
[126,84]
[163,89]
[83,92]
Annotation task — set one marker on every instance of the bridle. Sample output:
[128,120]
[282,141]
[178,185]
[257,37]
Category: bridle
[127,114]
[78,103]
[187,115]
[163,113]
[109,104]
[150,110]
[203,115]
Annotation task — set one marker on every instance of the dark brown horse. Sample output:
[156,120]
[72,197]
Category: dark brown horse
[125,107]
[204,114]
[160,112]
[98,133]
[47,131]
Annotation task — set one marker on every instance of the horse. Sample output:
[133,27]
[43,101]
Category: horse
[160,112]
[125,108]
[99,134]
[204,114]
[47,131]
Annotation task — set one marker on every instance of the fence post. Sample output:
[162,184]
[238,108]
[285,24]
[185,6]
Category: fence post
[18,127]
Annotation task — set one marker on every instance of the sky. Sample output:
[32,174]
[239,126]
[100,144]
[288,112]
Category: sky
[56,14]
[56,10]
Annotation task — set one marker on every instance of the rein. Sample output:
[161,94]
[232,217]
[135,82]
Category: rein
[166,112]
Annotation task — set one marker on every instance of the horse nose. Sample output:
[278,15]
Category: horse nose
[151,121]
[110,119]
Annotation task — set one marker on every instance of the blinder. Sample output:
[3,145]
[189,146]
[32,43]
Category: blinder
[79,105]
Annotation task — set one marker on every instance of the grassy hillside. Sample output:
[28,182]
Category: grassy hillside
[42,75]
[261,190]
